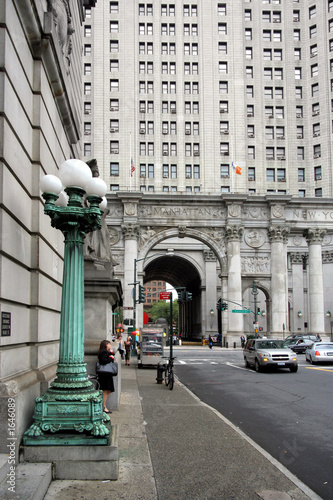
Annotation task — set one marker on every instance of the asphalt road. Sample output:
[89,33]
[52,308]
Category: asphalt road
[287,414]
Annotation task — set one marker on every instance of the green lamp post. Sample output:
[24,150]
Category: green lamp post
[71,411]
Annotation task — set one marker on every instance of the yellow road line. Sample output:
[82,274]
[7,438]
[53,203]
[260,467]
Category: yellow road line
[321,369]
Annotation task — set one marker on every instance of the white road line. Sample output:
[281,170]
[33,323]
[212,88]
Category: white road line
[182,362]
[240,368]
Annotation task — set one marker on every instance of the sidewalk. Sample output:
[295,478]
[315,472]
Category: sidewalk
[172,446]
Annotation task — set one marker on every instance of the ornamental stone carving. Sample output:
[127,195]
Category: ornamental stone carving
[114,236]
[234,233]
[215,234]
[146,235]
[130,231]
[327,257]
[62,22]
[296,258]
[234,210]
[130,209]
[254,238]
[278,233]
[256,265]
[209,256]
[314,236]
[181,231]
[277,211]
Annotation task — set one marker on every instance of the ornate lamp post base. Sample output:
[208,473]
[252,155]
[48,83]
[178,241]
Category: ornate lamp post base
[69,419]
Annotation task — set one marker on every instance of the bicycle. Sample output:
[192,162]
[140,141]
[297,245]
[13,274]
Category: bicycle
[169,377]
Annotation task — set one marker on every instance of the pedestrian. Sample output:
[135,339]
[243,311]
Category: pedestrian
[105,356]
[128,346]
[210,341]
[121,346]
[242,341]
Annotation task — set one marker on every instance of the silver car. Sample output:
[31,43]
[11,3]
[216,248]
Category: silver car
[320,352]
[262,353]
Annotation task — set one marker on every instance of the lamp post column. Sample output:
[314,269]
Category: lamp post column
[131,234]
[71,403]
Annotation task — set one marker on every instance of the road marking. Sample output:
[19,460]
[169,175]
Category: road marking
[182,362]
[320,369]
[213,363]
[240,367]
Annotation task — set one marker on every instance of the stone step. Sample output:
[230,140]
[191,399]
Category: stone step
[3,466]
[28,481]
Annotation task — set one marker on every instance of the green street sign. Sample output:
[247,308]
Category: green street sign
[243,311]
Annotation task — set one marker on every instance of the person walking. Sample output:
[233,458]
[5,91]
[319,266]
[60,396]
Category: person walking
[242,341]
[210,341]
[105,356]
[128,347]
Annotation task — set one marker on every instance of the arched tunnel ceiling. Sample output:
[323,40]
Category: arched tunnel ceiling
[174,270]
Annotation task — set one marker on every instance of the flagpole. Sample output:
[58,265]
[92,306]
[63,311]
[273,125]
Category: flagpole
[130,162]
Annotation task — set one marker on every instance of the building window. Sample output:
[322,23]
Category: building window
[317,173]
[224,171]
[251,174]
[114,27]
[318,193]
[114,169]
[301,175]
[270,175]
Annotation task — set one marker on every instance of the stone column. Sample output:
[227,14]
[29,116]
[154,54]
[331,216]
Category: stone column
[278,237]
[233,236]
[298,303]
[314,237]
[131,234]
[210,295]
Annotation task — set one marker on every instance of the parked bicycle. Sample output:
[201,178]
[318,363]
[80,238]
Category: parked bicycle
[169,377]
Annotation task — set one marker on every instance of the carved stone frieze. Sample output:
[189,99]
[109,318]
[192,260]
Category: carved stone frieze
[130,209]
[256,265]
[116,210]
[181,231]
[114,236]
[234,210]
[278,233]
[215,234]
[255,212]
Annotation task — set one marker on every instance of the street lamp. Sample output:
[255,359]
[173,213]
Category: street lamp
[71,403]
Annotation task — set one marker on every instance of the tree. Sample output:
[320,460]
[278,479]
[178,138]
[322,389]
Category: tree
[161,309]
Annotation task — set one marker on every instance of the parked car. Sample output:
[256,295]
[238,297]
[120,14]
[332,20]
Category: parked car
[262,353]
[320,352]
[298,345]
[304,336]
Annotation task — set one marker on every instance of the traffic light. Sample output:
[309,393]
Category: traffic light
[182,296]
[258,311]
[219,306]
[188,296]
[224,306]
[142,295]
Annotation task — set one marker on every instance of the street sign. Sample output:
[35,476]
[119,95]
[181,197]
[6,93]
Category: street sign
[165,295]
[243,311]
[126,308]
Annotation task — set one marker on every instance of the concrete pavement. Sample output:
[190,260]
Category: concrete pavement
[173,446]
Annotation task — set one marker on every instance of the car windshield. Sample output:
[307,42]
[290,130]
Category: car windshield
[271,344]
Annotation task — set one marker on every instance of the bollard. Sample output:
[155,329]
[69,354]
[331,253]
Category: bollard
[160,371]
[227,344]
[234,345]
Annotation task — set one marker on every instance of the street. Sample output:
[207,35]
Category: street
[288,414]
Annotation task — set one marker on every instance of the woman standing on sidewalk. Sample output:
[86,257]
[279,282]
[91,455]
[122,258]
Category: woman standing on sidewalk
[128,346]
[105,356]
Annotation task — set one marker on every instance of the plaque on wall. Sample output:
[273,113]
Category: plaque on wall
[5,324]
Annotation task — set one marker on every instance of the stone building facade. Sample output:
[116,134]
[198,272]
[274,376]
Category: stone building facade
[40,127]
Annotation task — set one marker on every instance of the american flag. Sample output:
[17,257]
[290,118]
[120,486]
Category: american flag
[132,166]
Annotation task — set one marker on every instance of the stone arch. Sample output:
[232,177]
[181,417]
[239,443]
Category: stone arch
[187,232]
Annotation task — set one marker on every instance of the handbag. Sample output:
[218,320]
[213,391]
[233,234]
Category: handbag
[110,368]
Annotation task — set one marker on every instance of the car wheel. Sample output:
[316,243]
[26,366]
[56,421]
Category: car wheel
[307,359]
[257,366]
[312,362]
[294,369]
[247,365]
